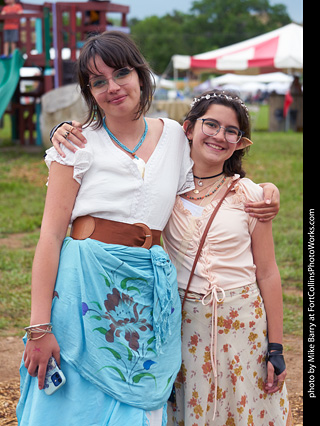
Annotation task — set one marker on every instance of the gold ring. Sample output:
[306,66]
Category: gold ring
[66,134]
[71,129]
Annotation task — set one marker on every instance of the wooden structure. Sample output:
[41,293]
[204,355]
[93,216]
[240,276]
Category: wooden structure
[51,36]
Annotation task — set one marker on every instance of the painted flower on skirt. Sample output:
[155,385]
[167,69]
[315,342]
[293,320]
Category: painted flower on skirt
[85,308]
[125,317]
[147,364]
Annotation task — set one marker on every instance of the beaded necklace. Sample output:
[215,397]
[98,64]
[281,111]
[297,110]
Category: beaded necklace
[124,146]
[209,193]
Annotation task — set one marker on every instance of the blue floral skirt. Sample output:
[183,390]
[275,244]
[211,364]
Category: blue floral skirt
[116,314]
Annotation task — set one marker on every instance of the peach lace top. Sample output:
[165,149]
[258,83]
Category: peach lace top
[226,261]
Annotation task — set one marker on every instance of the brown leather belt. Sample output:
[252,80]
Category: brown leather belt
[112,232]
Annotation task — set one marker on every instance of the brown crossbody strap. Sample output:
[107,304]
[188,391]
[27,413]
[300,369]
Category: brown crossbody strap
[215,211]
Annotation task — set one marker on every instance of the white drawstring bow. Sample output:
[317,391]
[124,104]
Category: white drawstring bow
[214,299]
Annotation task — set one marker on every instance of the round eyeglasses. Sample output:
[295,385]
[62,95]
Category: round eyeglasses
[120,77]
[212,127]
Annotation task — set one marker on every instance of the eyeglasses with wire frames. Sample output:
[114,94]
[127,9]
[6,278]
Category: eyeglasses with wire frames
[211,127]
[120,77]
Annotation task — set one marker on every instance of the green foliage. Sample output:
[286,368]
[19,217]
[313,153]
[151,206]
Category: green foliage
[160,38]
[5,131]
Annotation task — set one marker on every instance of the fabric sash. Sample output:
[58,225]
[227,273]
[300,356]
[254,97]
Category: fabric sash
[116,314]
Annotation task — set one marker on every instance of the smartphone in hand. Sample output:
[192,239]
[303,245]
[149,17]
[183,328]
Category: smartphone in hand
[54,377]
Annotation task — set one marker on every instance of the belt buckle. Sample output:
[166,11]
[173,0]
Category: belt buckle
[148,235]
[83,227]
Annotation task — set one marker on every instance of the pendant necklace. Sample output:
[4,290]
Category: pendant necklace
[200,183]
[124,146]
[202,188]
[221,182]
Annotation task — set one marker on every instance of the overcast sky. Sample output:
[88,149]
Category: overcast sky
[142,8]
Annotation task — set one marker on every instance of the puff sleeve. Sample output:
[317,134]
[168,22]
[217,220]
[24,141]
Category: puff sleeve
[248,191]
[81,160]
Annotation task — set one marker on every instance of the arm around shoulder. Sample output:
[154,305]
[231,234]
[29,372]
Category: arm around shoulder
[65,133]
[269,207]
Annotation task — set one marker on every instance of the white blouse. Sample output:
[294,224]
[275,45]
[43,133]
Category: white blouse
[112,186]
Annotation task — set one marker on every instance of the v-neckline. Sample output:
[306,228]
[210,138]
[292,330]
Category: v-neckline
[123,154]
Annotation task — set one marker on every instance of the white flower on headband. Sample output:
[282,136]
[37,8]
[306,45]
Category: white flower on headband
[223,96]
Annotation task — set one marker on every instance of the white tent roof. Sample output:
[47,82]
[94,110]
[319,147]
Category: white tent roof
[278,77]
[276,81]
[163,83]
[276,50]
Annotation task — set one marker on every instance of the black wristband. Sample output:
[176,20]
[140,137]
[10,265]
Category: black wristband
[275,347]
[276,357]
[52,132]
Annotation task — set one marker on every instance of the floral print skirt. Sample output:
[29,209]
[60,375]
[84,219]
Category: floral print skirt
[240,363]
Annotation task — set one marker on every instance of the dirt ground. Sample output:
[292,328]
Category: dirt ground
[11,349]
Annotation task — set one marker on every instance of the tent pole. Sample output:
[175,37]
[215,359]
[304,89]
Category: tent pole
[175,77]
[287,121]
[164,74]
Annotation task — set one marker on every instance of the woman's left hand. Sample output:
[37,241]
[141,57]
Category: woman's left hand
[66,133]
[274,382]
[268,208]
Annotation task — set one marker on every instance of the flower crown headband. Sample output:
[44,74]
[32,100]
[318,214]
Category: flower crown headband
[223,96]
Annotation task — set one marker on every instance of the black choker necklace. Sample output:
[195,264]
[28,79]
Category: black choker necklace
[200,183]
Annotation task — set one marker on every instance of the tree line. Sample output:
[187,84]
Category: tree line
[209,25]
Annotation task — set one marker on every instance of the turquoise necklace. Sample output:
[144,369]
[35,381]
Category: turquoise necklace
[122,145]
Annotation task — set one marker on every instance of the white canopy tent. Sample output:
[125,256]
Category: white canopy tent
[277,81]
[278,77]
[278,50]
[163,83]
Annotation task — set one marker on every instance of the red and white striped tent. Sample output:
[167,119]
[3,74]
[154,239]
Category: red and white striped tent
[278,50]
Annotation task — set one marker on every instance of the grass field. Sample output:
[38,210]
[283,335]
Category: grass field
[274,157]
[277,158]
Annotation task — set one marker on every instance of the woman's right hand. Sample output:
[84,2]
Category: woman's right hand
[37,354]
[274,382]
[66,133]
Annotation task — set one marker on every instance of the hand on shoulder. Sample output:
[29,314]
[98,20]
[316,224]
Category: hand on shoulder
[65,133]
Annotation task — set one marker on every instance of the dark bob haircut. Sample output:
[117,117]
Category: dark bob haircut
[117,50]
[229,99]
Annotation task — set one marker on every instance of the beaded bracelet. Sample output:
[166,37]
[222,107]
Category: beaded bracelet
[36,329]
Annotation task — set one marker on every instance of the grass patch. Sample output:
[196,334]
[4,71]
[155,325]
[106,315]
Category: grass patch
[259,117]
[277,158]
[5,131]
[274,157]
[15,278]
[22,191]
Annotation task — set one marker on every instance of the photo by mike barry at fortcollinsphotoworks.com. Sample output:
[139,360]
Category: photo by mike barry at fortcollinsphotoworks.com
[310,366]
